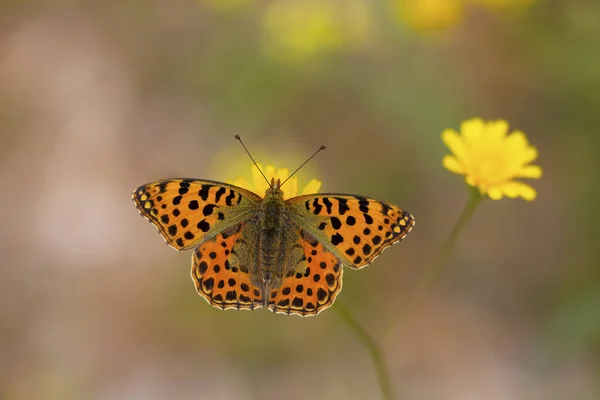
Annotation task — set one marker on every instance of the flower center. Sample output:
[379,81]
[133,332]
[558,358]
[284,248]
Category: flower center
[490,167]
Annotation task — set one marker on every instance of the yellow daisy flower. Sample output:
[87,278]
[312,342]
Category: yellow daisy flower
[491,160]
[429,15]
[258,185]
[299,31]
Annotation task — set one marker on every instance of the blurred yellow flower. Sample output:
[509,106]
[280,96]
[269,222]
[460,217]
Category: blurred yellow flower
[258,185]
[429,15]
[299,30]
[491,160]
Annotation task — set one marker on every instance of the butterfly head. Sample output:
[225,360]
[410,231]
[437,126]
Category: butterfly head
[274,189]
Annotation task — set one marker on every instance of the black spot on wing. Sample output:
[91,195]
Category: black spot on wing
[342,205]
[317,206]
[202,267]
[297,302]
[231,295]
[230,197]
[336,239]
[363,205]
[284,303]
[162,187]
[208,209]
[336,223]
[219,193]
[203,192]
[203,226]
[328,204]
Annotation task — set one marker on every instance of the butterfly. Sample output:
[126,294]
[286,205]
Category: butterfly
[251,251]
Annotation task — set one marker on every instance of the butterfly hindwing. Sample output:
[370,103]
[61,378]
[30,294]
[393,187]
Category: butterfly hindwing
[312,284]
[218,276]
[189,211]
[355,228]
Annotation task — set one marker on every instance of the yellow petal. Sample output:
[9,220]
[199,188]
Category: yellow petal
[529,155]
[494,193]
[255,173]
[282,174]
[517,140]
[243,183]
[311,187]
[452,165]
[269,172]
[291,188]
[454,142]
[510,189]
[470,180]
[516,189]
[525,191]
[259,185]
[471,130]
[497,129]
[530,171]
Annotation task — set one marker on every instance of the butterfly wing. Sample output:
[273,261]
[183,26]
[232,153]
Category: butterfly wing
[313,282]
[219,275]
[188,212]
[354,228]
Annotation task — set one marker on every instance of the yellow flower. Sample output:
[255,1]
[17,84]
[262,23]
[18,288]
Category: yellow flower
[300,30]
[258,185]
[429,15]
[491,160]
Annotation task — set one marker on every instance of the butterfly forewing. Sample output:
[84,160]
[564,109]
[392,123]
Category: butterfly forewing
[190,211]
[355,228]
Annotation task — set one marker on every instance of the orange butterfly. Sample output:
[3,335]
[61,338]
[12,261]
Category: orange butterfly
[286,255]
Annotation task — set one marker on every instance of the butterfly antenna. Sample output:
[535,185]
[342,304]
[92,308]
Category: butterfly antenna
[257,167]
[297,169]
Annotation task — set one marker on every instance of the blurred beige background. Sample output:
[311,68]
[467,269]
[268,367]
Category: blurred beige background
[97,98]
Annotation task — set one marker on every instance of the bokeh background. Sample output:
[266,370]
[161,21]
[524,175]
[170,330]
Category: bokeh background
[99,97]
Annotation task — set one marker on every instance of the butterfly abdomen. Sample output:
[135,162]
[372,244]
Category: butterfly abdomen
[271,242]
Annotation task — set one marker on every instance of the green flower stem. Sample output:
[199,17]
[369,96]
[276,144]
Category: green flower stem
[383,375]
[438,263]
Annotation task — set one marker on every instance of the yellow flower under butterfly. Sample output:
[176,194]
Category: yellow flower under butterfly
[257,183]
[428,15]
[491,159]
